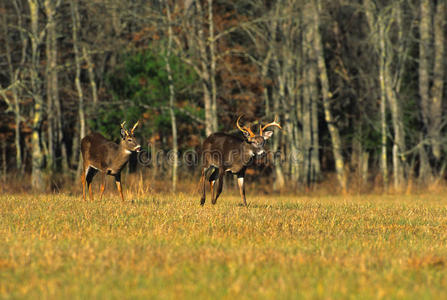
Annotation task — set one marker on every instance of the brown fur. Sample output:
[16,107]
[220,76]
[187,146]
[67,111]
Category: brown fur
[102,155]
[228,153]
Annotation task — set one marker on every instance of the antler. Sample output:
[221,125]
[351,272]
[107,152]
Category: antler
[274,123]
[125,130]
[134,126]
[244,129]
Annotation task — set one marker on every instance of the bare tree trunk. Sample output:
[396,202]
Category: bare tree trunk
[171,100]
[279,181]
[279,175]
[205,63]
[209,128]
[295,157]
[306,108]
[333,130]
[425,172]
[383,131]
[13,76]
[431,57]
[315,154]
[399,164]
[424,65]
[379,25]
[37,156]
[49,73]
[438,77]
[212,50]
[264,71]
[310,97]
[81,115]
[91,73]
[207,98]
[55,118]
[18,117]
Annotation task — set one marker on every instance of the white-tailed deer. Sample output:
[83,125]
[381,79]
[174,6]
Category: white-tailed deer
[229,153]
[102,155]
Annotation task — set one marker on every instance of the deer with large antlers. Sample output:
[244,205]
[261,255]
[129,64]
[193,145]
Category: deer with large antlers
[228,153]
[102,155]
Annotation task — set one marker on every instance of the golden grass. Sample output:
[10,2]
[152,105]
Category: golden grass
[166,246]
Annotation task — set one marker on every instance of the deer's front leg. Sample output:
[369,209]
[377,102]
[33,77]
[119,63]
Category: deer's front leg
[118,185]
[240,183]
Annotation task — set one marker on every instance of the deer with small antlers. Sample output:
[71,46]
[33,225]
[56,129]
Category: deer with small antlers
[228,153]
[102,155]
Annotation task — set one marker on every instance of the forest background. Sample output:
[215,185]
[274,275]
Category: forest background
[358,86]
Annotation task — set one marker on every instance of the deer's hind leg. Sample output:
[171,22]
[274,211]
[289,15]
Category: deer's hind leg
[89,174]
[221,173]
[212,180]
[103,185]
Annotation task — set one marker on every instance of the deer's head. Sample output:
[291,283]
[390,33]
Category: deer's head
[128,140]
[257,141]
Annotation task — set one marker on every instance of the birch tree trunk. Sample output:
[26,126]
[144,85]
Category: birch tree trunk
[54,109]
[310,98]
[279,182]
[270,112]
[212,51]
[81,114]
[306,108]
[49,74]
[171,100]
[91,74]
[205,63]
[425,170]
[379,25]
[13,77]
[399,147]
[36,155]
[337,146]
[437,87]
[424,53]
[383,129]
[431,57]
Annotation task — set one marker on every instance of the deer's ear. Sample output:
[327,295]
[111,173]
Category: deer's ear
[267,134]
[123,133]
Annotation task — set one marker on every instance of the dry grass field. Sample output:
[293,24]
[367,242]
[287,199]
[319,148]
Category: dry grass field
[165,246]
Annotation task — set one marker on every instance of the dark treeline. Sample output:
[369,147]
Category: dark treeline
[358,86]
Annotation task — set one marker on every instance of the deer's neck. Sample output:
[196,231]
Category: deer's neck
[123,154]
[247,153]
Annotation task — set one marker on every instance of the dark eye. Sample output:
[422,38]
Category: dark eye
[129,140]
